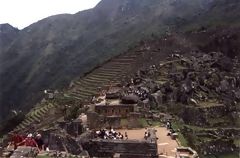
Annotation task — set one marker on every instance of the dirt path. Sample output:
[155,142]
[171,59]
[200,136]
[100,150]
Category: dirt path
[166,145]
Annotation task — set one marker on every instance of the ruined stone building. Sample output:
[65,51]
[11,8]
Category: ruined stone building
[124,148]
[121,110]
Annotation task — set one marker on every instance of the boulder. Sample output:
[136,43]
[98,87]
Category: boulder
[130,99]
[224,85]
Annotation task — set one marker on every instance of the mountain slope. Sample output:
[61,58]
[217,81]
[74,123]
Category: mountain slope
[53,51]
[7,35]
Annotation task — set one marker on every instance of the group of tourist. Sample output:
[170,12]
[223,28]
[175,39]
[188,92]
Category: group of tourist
[29,140]
[140,92]
[110,134]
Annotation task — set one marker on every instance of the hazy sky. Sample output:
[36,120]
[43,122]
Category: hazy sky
[21,13]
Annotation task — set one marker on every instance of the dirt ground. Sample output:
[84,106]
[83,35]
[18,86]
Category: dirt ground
[166,146]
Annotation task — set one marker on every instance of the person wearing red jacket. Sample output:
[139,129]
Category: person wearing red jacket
[30,141]
[16,140]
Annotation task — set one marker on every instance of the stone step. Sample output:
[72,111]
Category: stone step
[106,76]
[50,105]
[43,110]
[115,64]
[21,126]
[89,85]
[84,93]
[111,70]
[78,96]
[106,73]
[36,116]
[30,119]
[25,123]
[101,78]
[96,80]
[39,113]
[82,89]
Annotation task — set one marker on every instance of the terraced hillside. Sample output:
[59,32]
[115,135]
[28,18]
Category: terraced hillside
[85,88]
[35,116]
[110,73]
[115,71]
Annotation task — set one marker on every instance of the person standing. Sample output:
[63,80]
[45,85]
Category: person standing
[29,141]
[126,136]
[39,142]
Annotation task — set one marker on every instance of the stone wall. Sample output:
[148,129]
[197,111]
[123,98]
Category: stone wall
[114,110]
[218,146]
[126,148]
[73,128]
[94,120]
[201,115]
[59,140]
[113,122]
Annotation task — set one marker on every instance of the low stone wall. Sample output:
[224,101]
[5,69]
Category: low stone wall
[24,151]
[218,146]
[215,111]
[125,148]
[201,115]
[64,143]
[60,141]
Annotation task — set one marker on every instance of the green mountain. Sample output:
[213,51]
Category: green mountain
[51,52]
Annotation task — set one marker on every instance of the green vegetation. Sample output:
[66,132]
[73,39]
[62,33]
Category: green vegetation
[124,122]
[143,122]
[176,126]
[237,142]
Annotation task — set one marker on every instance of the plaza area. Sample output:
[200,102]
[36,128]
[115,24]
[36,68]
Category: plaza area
[166,145]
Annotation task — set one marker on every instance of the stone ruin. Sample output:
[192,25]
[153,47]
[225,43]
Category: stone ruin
[219,146]
[214,141]
[23,151]
[200,89]
[186,152]
[123,148]
[75,127]
[195,88]
[59,140]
